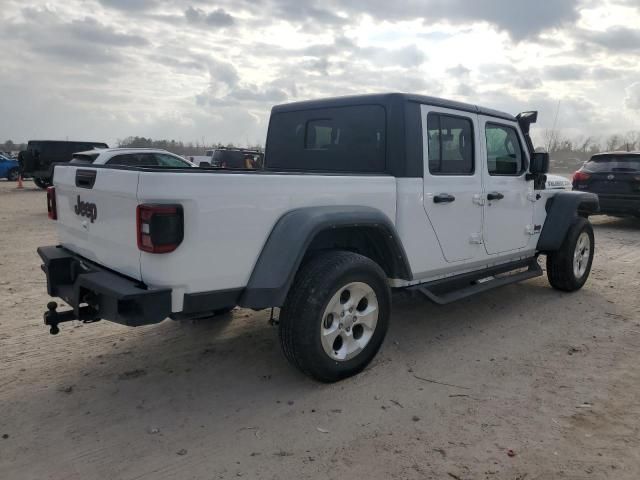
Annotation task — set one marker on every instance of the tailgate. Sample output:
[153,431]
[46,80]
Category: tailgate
[97,215]
[614,182]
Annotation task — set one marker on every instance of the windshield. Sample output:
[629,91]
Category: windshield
[614,163]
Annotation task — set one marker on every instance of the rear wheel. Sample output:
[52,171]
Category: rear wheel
[13,175]
[568,269]
[43,183]
[336,316]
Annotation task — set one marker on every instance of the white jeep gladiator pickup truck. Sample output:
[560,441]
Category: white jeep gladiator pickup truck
[358,196]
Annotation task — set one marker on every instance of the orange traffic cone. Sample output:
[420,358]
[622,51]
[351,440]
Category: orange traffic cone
[20,186]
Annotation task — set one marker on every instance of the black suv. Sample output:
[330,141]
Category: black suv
[615,177]
[38,159]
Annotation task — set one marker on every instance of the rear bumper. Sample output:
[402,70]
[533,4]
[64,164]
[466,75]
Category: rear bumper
[115,297]
[619,203]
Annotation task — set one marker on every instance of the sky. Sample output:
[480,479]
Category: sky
[197,71]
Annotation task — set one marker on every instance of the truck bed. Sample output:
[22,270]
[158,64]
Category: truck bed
[228,215]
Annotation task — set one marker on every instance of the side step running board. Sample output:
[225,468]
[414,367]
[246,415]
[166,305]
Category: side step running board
[445,297]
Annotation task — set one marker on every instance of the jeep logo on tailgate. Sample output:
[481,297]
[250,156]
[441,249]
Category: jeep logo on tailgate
[86,209]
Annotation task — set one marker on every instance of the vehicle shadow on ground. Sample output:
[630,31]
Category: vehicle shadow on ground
[236,357]
[616,223]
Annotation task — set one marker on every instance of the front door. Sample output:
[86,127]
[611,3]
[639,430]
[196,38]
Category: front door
[508,195]
[453,181]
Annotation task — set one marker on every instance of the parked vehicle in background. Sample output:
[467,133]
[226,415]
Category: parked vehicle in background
[615,178]
[237,158]
[38,159]
[202,160]
[557,182]
[9,168]
[358,195]
[132,157]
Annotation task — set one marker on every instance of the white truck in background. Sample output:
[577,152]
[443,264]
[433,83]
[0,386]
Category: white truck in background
[358,196]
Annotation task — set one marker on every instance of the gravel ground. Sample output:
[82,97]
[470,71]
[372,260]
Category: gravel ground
[522,382]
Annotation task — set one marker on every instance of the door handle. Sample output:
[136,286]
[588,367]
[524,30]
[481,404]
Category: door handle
[444,198]
[495,196]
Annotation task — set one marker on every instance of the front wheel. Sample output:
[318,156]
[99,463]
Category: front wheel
[568,269]
[336,316]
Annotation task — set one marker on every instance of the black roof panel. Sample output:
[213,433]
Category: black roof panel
[387,99]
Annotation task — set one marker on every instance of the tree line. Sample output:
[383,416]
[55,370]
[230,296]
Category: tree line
[565,151]
[570,153]
[177,147]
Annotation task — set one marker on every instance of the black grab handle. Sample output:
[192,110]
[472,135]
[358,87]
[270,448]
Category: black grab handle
[495,196]
[444,198]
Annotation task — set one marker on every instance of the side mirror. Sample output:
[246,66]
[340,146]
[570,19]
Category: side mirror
[539,163]
[204,165]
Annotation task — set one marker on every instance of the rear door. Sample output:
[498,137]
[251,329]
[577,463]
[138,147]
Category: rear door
[97,215]
[508,195]
[453,181]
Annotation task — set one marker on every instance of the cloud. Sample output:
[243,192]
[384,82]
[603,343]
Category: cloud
[90,30]
[130,5]
[616,38]
[565,72]
[632,98]
[215,18]
[191,68]
[520,18]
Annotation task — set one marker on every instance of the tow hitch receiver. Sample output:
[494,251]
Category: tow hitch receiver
[52,317]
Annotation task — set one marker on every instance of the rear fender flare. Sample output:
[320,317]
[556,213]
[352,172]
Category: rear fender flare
[290,239]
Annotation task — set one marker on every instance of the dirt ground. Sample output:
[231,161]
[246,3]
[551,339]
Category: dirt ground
[552,377]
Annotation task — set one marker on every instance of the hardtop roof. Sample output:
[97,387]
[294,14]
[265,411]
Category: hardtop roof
[387,99]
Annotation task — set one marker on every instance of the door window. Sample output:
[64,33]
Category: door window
[450,145]
[504,152]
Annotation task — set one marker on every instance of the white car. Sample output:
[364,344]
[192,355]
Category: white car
[132,157]
[557,182]
[357,196]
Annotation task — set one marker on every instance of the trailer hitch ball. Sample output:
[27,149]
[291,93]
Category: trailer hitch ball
[51,318]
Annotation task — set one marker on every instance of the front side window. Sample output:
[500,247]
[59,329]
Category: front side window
[504,152]
[450,145]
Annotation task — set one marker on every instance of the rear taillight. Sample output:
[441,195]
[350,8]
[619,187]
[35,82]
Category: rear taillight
[52,208]
[580,176]
[160,227]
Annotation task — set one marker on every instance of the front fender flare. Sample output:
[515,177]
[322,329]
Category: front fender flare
[290,238]
[562,210]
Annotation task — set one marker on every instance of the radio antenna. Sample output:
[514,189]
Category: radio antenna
[555,124]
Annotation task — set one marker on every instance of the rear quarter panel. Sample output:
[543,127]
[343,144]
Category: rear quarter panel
[229,216]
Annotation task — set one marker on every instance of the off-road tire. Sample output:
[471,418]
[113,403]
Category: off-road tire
[13,175]
[301,317]
[42,183]
[560,264]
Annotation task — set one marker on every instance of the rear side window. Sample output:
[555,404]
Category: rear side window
[504,151]
[134,160]
[451,145]
[83,158]
[166,160]
[344,139]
